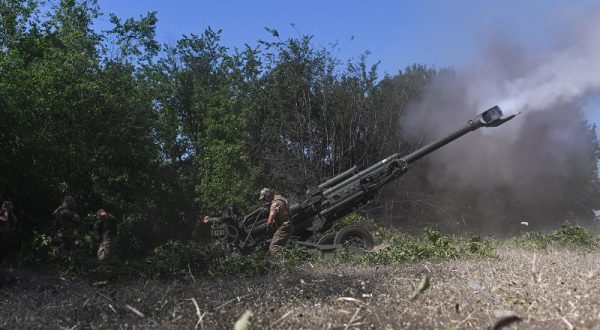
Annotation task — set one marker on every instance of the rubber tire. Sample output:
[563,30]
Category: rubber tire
[328,239]
[353,232]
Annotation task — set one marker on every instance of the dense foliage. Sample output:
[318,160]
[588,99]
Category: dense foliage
[162,134]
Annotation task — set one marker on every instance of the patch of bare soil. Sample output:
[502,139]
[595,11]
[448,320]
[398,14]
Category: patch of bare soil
[520,290]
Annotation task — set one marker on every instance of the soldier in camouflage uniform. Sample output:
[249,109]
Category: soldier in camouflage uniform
[66,219]
[279,216]
[106,230]
[8,223]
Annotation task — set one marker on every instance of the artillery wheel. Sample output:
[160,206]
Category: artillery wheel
[327,239]
[355,237]
[232,235]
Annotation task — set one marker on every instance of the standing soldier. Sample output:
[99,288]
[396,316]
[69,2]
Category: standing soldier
[279,216]
[8,223]
[106,230]
[66,220]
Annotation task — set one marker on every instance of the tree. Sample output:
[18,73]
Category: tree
[204,110]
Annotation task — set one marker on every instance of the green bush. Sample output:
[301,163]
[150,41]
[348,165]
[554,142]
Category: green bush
[42,250]
[438,246]
[478,247]
[432,245]
[298,254]
[568,235]
[174,258]
[38,249]
[179,258]
[572,235]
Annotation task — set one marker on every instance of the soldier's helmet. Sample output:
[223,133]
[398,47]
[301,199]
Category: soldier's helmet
[266,194]
[69,201]
[7,205]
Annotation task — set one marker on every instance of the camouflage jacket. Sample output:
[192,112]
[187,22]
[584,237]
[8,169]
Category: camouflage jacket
[106,227]
[66,219]
[8,221]
[279,206]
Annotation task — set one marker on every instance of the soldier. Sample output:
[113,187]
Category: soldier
[106,230]
[281,218]
[8,223]
[66,220]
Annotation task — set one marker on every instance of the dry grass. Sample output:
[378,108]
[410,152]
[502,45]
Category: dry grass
[555,289]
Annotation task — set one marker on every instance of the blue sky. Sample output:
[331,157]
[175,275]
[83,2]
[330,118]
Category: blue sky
[397,33]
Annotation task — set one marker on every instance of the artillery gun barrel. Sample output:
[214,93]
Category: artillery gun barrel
[338,178]
[489,118]
[433,146]
[360,174]
[340,204]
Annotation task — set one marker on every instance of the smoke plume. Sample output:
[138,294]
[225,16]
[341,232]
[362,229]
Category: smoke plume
[536,166]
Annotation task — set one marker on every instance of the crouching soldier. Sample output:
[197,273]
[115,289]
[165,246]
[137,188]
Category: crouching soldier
[106,230]
[66,220]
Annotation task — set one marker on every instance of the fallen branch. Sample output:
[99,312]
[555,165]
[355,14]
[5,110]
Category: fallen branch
[281,318]
[134,310]
[423,285]
[104,296]
[232,300]
[352,318]
[200,315]
[191,275]
[354,300]
[66,328]
[569,325]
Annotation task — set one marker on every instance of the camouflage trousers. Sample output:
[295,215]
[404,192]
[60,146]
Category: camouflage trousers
[104,250]
[65,240]
[281,236]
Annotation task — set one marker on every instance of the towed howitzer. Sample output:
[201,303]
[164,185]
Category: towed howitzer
[337,197]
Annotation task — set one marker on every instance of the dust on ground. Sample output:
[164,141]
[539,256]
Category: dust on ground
[546,290]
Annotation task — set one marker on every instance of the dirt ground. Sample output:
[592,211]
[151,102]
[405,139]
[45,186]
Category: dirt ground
[545,290]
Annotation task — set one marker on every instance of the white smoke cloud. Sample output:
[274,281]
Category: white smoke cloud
[546,77]
[536,155]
